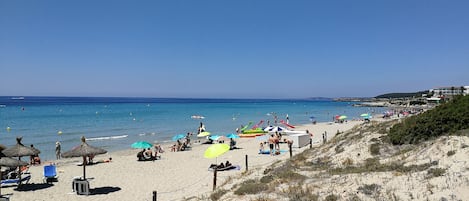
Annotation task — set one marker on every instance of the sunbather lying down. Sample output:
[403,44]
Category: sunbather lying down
[222,166]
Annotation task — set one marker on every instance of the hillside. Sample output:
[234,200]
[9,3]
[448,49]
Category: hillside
[361,165]
[402,95]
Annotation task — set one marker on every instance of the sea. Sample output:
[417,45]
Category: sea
[115,123]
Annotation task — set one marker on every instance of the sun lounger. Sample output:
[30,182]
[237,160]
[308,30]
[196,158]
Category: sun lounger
[24,179]
[50,173]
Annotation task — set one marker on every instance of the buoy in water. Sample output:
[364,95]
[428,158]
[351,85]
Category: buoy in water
[8,129]
[59,133]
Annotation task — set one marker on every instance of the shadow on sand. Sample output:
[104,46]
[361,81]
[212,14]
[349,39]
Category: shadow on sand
[32,187]
[104,190]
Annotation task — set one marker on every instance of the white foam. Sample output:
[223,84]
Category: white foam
[107,137]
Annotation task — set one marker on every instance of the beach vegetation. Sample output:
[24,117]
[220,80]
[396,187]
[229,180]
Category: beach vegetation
[262,198]
[436,172]
[216,195]
[299,193]
[373,165]
[347,162]
[331,197]
[450,153]
[445,119]
[369,189]
[250,186]
[374,149]
[339,149]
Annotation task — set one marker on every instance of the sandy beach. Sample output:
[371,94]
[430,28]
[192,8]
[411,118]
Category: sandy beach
[177,176]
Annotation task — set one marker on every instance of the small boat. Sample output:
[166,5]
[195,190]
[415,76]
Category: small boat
[197,117]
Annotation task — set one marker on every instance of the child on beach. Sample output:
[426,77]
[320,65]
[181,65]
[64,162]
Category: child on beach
[261,148]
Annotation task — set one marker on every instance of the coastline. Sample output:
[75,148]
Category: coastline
[177,176]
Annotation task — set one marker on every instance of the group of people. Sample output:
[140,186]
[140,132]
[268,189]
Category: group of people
[182,144]
[274,143]
[149,154]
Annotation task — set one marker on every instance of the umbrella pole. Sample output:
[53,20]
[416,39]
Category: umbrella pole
[84,166]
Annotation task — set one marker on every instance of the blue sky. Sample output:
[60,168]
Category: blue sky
[232,49]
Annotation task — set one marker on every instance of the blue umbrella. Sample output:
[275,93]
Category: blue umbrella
[232,135]
[178,137]
[141,145]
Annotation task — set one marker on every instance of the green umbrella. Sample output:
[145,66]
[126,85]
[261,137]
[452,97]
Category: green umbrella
[342,117]
[216,150]
[141,145]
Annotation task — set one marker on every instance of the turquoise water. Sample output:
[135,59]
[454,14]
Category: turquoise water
[115,123]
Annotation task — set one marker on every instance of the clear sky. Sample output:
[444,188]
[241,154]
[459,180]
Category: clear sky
[232,49]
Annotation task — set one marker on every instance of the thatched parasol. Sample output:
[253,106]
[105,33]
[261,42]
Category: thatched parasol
[9,162]
[20,150]
[83,150]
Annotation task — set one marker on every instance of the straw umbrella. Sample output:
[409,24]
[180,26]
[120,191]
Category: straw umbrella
[83,150]
[19,150]
[9,162]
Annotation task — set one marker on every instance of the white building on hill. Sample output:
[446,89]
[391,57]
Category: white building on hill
[450,91]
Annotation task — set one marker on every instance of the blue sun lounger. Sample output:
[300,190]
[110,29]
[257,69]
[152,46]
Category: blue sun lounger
[10,182]
[50,173]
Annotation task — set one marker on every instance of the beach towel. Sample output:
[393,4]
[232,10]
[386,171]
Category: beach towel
[268,151]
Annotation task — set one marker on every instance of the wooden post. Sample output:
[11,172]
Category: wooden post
[247,163]
[289,147]
[310,143]
[215,179]
[154,195]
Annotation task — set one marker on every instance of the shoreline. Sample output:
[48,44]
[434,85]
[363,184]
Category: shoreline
[178,175]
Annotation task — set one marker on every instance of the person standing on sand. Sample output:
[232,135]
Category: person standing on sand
[58,148]
[271,144]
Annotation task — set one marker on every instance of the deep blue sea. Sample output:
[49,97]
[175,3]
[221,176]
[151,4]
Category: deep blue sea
[115,123]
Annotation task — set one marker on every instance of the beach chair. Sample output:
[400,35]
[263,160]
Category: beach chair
[50,174]
[24,180]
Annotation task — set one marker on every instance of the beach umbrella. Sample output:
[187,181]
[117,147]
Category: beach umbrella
[83,150]
[203,134]
[232,135]
[9,162]
[274,129]
[178,137]
[20,150]
[141,145]
[216,150]
[365,116]
[342,117]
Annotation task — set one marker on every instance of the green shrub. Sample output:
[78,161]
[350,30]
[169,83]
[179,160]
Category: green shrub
[444,119]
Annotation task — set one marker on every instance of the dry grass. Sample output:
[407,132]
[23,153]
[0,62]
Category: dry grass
[300,193]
